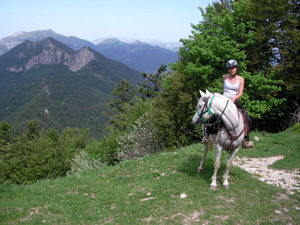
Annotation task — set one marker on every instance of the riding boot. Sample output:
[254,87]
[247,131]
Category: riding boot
[205,139]
[247,144]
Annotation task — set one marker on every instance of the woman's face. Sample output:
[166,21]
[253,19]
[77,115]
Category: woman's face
[232,70]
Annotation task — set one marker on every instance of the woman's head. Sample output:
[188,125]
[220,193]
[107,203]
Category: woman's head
[232,66]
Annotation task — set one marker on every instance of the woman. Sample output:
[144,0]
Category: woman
[233,88]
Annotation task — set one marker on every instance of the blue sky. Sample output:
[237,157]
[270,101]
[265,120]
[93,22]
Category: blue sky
[162,20]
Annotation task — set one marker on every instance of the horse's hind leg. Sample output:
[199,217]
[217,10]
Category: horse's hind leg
[213,185]
[229,164]
[200,168]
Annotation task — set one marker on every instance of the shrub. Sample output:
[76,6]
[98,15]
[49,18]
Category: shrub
[296,128]
[83,162]
[119,126]
[140,141]
[25,161]
[97,150]
[40,154]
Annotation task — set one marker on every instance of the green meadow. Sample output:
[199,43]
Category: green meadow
[162,189]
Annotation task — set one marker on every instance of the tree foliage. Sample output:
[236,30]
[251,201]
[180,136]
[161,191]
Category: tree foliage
[38,154]
[5,133]
[124,94]
[225,33]
[156,80]
[123,138]
[276,50]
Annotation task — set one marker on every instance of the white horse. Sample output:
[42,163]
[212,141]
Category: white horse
[229,137]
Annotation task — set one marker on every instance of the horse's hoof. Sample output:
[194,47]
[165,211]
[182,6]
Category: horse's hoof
[214,188]
[226,186]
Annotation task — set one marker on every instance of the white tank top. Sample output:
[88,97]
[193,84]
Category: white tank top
[231,90]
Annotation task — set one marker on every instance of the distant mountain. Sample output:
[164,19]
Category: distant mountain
[58,86]
[138,55]
[172,46]
[11,41]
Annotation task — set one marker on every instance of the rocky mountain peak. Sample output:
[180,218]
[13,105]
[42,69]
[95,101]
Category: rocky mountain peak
[49,51]
[80,59]
[18,33]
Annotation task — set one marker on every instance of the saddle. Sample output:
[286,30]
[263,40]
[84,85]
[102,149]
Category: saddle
[215,125]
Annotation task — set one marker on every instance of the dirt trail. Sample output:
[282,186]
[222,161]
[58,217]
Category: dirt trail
[289,180]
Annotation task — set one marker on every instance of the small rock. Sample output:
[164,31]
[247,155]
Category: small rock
[277,212]
[146,199]
[183,195]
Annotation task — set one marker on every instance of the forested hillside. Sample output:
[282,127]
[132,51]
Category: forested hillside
[57,86]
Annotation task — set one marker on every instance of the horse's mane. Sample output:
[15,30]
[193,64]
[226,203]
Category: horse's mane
[216,94]
[220,95]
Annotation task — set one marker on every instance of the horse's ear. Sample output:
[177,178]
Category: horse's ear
[208,93]
[201,93]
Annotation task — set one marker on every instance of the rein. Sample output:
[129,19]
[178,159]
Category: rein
[218,120]
[208,110]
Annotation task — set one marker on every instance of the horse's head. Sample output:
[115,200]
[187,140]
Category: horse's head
[203,113]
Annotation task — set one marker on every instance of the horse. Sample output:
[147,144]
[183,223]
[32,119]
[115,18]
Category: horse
[230,135]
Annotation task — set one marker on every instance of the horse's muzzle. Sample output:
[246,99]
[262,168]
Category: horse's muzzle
[196,120]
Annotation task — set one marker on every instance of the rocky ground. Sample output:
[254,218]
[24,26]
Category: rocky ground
[259,167]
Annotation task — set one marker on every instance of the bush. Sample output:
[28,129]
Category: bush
[83,162]
[25,160]
[97,150]
[40,154]
[120,125]
[140,141]
[296,128]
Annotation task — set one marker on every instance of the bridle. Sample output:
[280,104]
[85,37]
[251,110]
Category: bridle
[208,110]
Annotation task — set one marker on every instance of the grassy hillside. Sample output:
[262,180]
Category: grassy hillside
[150,191]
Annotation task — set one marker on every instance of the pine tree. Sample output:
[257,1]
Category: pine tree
[151,90]
[5,133]
[124,94]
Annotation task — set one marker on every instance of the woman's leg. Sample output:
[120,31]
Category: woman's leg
[249,122]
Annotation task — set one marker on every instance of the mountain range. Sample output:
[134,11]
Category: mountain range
[58,86]
[138,55]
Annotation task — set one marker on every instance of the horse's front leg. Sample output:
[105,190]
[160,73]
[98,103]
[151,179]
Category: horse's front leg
[200,168]
[213,185]
[229,164]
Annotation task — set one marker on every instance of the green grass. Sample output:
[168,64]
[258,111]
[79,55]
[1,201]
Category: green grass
[117,195]
[286,143]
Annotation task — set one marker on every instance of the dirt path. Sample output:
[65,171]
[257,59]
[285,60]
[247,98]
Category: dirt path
[289,180]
